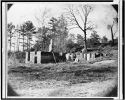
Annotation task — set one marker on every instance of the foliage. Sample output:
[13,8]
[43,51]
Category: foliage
[29,26]
[10,28]
[116,41]
[104,39]
[29,29]
[94,40]
[20,55]
[57,31]
[95,37]
[53,25]
[75,47]
[69,45]
[23,33]
[114,44]
[80,39]
[10,54]
[16,57]
[43,39]
[17,54]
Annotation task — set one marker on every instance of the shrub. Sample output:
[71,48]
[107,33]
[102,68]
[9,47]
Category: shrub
[103,44]
[10,54]
[17,56]
[20,55]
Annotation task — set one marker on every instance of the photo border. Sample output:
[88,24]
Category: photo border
[4,52]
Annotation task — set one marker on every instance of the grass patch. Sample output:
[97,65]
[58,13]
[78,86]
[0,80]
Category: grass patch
[73,73]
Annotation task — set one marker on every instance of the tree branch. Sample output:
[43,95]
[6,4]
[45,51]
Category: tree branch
[72,28]
[44,16]
[82,10]
[81,16]
[38,19]
[76,21]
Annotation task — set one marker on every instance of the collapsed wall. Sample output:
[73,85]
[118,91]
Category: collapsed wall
[90,56]
[54,57]
[81,56]
[41,57]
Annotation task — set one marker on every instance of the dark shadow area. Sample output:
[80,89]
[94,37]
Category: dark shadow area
[49,57]
[9,6]
[35,60]
[10,91]
[113,92]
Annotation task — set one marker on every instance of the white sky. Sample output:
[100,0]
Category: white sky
[21,12]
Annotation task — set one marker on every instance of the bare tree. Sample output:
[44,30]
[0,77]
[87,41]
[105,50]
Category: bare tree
[111,28]
[79,15]
[42,18]
[43,15]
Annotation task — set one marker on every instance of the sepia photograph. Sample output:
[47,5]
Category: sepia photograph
[62,49]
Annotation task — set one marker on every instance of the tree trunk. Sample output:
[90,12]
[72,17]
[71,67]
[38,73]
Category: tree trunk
[112,36]
[44,46]
[27,44]
[85,38]
[85,47]
[23,41]
[10,43]
[19,42]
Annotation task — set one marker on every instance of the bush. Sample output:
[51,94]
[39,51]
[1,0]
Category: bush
[20,55]
[17,56]
[103,44]
[10,54]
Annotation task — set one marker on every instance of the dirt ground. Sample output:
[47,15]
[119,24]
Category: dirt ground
[65,79]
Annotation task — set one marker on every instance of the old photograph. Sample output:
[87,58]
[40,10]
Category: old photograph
[62,49]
